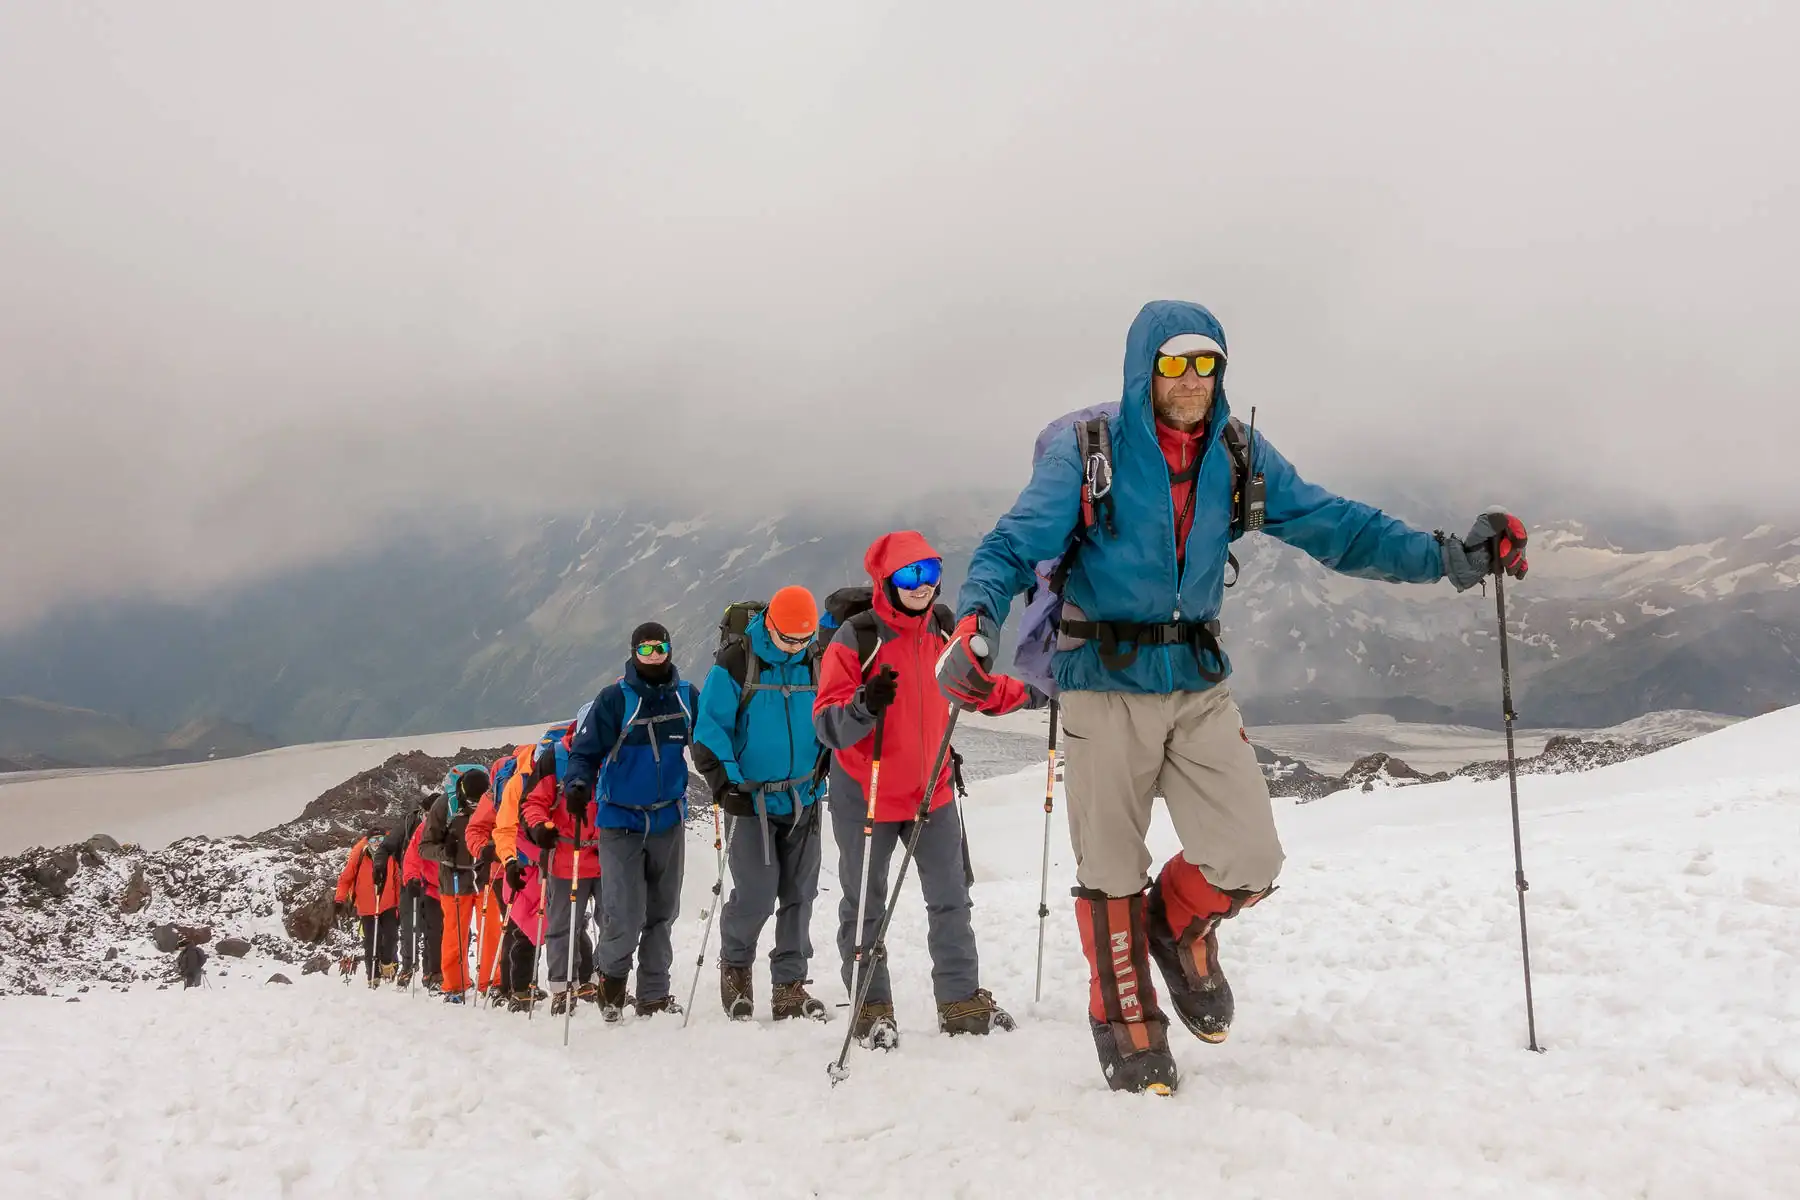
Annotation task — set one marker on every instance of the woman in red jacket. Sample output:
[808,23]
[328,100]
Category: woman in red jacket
[547,823]
[372,892]
[881,665]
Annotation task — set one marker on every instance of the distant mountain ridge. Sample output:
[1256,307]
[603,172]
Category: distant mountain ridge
[409,638]
[36,735]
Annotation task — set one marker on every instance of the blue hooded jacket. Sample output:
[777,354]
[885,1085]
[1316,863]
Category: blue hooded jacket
[771,738]
[1130,575]
[643,787]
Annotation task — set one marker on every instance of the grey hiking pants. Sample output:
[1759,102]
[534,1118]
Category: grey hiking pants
[556,930]
[785,888]
[1123,747]
[950,934]
[640,897]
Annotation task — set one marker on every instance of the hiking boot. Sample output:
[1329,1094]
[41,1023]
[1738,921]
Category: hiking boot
[612,999]
[737,993]
[791,1000]
[977,1014]
[875,1027]
[668,1004]
[496,996]
[560,1001]
[1134,1056]
[434,984]
[403,980]
[1189,961]
[454,998]
[588,992]
[519,1001]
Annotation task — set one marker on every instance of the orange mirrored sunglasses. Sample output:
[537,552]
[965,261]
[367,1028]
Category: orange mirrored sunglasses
[1174,366]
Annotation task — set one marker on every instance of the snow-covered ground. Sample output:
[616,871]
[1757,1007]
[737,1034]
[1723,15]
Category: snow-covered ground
[155,806]
[1378,1050]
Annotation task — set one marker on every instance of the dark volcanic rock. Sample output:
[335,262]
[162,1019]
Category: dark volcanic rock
[101,843]
[233,947]
[310,921]
[278,977]
[166,939]
[318,964]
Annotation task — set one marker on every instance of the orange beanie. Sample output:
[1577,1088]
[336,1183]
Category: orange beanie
[794,613]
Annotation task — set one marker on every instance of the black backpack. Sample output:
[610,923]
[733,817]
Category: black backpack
[855,607]
[741,662]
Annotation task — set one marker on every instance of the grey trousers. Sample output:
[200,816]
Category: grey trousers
[556,930]
[950,934]
[640,897]
[784,888]
[1121,748]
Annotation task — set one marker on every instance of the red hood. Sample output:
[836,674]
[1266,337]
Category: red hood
[887,554]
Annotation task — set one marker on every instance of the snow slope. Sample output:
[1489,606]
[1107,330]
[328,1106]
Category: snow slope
[239,795]
[1378,1050]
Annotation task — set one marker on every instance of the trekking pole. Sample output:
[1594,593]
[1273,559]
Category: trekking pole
[862,895]
[574,933]
[1044,870]
[481,942]
[1512,779]
[538,953]
[718,892]
[836,1070]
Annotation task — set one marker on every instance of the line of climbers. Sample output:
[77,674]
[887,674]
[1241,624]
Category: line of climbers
[1121,542]
[514,859]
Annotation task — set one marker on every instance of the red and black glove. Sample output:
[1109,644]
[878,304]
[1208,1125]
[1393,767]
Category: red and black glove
[1495,544]
[964,669]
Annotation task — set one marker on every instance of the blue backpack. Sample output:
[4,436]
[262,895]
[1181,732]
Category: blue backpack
[1042,617]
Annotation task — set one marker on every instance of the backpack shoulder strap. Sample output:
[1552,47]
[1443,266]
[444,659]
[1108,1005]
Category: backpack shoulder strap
[868,638]
[1237,441]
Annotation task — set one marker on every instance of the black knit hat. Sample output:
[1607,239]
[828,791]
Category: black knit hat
[649,631]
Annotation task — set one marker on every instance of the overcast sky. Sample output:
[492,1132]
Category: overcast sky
[274,276]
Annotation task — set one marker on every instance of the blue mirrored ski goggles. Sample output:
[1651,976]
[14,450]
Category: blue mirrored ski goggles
[924,573]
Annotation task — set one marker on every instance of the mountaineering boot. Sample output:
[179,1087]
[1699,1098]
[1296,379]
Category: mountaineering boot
[403,980]
[454,998]
[434,983]
[1131,1035]
[736,992]
[588,992]
[791,1000]
[612,999]
[875,1027]
[519,1001]
[561,1001]
[1183,911]
[978,1014]
[667,1004]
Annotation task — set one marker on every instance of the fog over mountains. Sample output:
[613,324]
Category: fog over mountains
[523,621]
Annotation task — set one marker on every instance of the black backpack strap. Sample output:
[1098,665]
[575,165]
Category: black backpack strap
[868,638]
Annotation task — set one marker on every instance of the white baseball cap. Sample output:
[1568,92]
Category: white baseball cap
[1191,343]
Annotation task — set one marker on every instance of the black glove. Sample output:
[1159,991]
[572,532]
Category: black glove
[483,871]
[577,795]
[488,855]
[379,874]
[415,889]
[515,875]
[737,801]
[543,836]
[1495,544]
[881,691]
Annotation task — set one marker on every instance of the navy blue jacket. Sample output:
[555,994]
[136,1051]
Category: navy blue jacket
[642,787]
